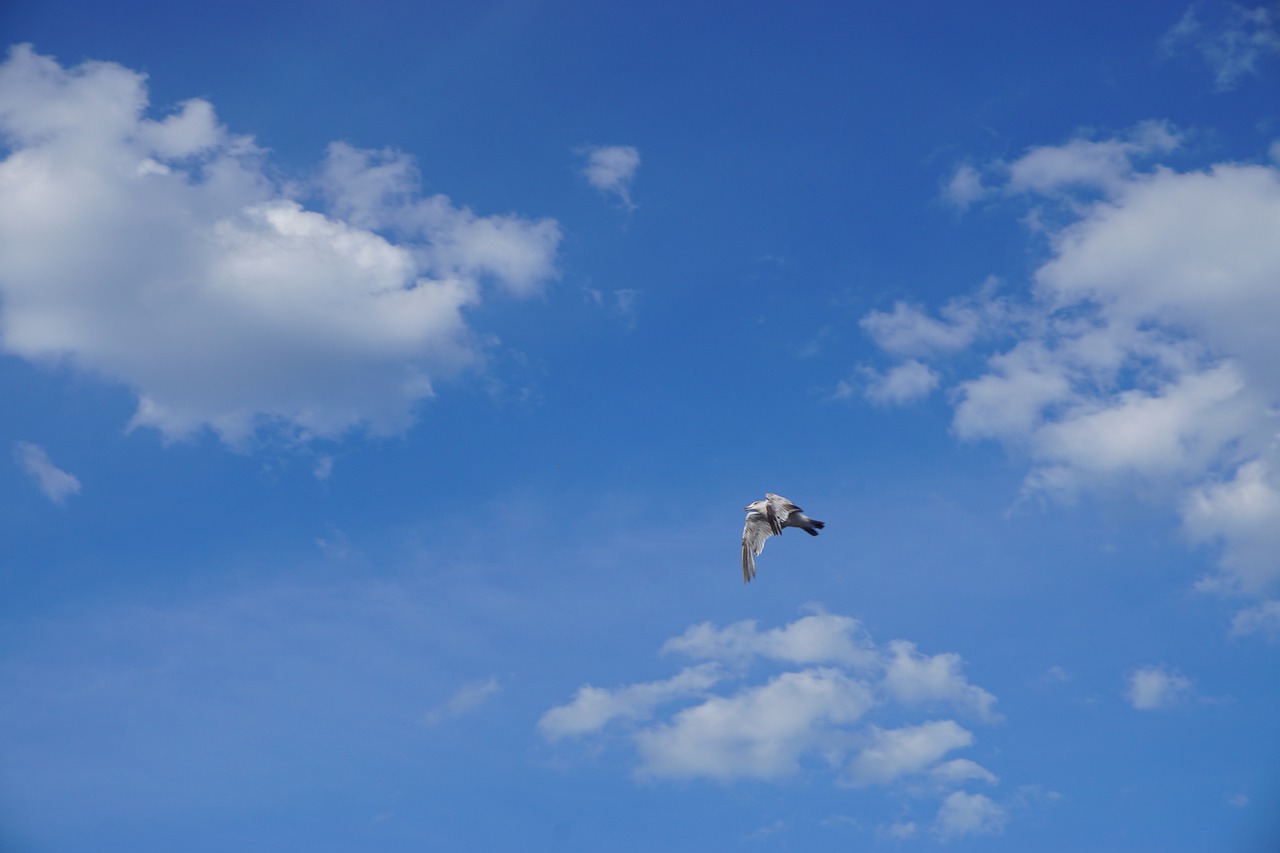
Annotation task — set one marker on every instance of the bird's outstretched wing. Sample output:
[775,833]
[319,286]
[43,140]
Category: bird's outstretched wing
[758,528]
[779,509]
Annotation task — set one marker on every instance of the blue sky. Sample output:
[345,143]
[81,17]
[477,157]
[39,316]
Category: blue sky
[385,384]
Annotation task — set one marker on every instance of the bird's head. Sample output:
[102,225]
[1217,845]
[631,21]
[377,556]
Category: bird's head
[758,506]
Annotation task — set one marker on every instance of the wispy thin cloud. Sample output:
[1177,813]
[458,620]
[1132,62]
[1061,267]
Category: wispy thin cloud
[323,468]
[1261,619]
[1235,42]
[468,698]
[620,303]
[54,483]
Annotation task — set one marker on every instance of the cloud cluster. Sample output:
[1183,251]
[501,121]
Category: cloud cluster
[1143,355]
[162,254]
[1263,619]
[823,704]
[1236,41]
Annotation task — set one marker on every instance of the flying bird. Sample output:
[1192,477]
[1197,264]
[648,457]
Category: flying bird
[766,518]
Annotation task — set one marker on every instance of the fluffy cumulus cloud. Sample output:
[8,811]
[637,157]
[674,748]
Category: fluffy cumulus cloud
[891,754]
[908,330]
[910,380]
[816,696]
[964,814]
[611,169]
[820,638]
[916,678]
[1087,163]
[161,254]
[759,732]
[54,483]
[1143,353]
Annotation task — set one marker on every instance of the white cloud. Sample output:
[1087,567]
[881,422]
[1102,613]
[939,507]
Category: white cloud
[1157,434]
[817,638]
[845,389]
[913,678]
[162,255]
[469,697]
[1234,46]
[380,190]
[1193,250]
[621,303]
[766,831]
[1094,165]
[593,708]
[611,169]
[1263,619]
[965,187]
[1007,402]
[1055,674]
[964,814]
[900,830]
[908,331]
[894,753]
[902,383]
[54,483]
[1154,687]
[1242,513]
[323,469]
[1143,355]
[761,732]
[1103,164]
[961,770]
[841,707]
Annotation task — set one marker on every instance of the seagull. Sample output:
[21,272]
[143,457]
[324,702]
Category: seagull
[766,518]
